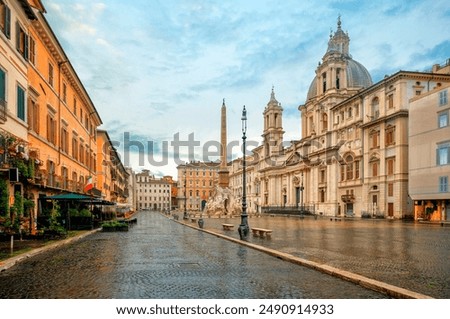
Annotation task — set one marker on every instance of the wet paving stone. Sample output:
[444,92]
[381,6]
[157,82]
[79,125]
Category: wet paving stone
[159,258]
[410,255]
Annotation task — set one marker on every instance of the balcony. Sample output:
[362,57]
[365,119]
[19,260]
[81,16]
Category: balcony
[349,198]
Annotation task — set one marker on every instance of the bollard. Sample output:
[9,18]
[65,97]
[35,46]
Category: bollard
[201,222]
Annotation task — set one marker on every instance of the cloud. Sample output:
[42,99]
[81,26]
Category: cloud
[157,68]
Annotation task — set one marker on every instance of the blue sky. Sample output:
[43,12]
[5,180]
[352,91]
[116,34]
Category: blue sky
[155,69]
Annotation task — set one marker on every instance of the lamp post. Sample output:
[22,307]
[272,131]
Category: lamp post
[243,227]
[185,194]
[301,195]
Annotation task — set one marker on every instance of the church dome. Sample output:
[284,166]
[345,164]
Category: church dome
[357,75]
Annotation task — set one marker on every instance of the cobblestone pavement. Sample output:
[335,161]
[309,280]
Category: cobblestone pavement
[159,258]
[413,256]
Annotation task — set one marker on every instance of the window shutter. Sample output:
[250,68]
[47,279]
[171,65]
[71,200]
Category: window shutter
[7,22]
[20,103]
[2,85]
[25,53]
[17,36]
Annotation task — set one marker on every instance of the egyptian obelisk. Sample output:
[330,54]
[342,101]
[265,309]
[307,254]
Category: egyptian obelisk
[224,178]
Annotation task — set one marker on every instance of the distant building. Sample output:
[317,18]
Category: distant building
[196,184]
[429,146]
[152,193]
[112,176]
[173,192]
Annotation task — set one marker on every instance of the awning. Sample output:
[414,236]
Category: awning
[70,196]
[80,198]
[99,201]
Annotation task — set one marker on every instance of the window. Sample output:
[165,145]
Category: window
[443,119]
[390,166]
[323,174]
[81,154]
[75,106]
[51,128]
[356,169]
[22,41]
[390,135]
[33,115]
[375,138]
[375,108]
[443,154]
[349,167]
[324,122]
[32,50]
[375,169]
[322,192]
[5,19]
[50,74]
[64,140]
[75,147]
[64,92]
[20,103]
[390,101]
[350,112]
[338,84]
[443,98]
[324,82]
[390,189]
[443,184]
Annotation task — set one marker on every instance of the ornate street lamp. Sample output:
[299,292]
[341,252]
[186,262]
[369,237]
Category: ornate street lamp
[243,227]
[185,194]
[301,196]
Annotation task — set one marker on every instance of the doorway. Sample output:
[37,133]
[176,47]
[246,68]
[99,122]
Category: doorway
[349,209]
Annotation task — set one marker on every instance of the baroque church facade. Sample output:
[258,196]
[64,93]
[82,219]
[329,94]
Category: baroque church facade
[352,158]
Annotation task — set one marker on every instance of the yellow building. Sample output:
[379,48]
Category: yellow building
[196,184]
[112,177]
[48,122]
[62,119]
[15,20]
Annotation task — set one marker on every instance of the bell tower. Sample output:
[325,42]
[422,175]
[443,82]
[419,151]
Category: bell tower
[273,127]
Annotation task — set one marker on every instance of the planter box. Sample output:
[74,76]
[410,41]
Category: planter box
[115,228]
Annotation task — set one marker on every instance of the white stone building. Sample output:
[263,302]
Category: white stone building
[152,193]
[352,157]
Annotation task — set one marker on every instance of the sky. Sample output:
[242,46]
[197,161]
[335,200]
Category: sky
[158,70]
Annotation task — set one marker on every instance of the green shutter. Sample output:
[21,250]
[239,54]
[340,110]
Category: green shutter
[2,85]
[20,103]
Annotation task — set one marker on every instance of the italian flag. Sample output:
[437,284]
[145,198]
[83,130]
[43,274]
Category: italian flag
[89,184]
